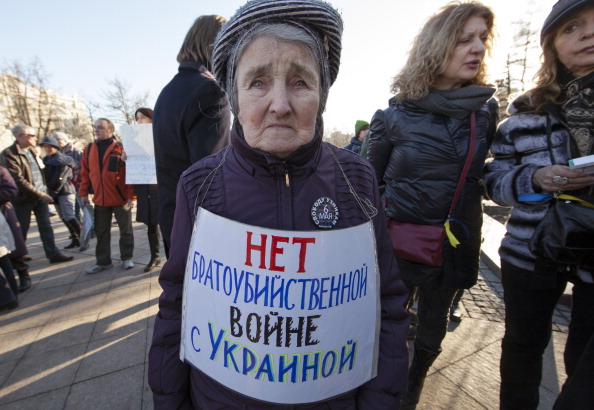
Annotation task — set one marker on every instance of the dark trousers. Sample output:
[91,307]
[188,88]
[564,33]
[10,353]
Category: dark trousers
[577,393]
[530,301]
[433,312]
[42,215]
[6,266]
[123,215]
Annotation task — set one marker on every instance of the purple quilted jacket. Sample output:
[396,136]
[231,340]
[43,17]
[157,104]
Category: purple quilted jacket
[255,188]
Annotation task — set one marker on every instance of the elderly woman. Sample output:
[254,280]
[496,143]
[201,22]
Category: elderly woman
[429,148]
[277,61]
[550,124]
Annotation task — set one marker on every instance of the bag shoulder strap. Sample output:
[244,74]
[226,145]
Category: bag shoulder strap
[471,149]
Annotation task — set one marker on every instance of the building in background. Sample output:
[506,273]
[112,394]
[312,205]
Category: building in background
[44,109]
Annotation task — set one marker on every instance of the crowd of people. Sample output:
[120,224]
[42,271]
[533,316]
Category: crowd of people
[414,175]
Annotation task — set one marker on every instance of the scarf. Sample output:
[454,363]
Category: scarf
[457,103]
[578,111]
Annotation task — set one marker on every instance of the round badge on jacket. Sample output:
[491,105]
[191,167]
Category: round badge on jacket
[324,213]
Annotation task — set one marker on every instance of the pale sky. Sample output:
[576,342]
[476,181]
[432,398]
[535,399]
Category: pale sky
[83,43]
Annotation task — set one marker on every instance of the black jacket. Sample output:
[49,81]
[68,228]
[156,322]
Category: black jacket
[147,197]
[58,173]
[420,155]
[355,145]
[191,120]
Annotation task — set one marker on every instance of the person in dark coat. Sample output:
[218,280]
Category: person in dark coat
[8,294]
[147,197]
[361,128]
[70,150]
[191,117]
[418,147]
[25,168]
[9,191]
[58,173]
[549,125]
[278,174]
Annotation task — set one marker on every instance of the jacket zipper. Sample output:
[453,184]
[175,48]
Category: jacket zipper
[286,171]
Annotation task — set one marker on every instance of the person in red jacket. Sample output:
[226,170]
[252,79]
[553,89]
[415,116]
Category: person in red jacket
[104,169]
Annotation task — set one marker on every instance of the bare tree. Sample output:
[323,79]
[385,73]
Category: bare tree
[24,88]
[25,97]
[338,138]
[521,61]
[120,102]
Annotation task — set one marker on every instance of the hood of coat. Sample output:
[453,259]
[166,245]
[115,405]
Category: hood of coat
[58,159]
[305,156]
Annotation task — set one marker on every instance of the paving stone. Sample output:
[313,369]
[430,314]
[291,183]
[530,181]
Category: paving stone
[120,298]
[54,399]
[56,335]
[86,285]
[468,338]
[6,368]
[15,344]
[84,305]
[131,278]
[121,322]
[478,375]
[440,393]
[57,278]
[117,390]
[112,354]
[35,309]
[36,374]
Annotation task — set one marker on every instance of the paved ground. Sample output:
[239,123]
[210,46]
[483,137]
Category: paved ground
[80,341]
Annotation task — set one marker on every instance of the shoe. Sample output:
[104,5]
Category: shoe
[153,263]
[128,264]
[10,305]
[26,258]
[456,315]
[74,228]
[74,243]
[83,248]
[24,281]
[98,268]
[60,258]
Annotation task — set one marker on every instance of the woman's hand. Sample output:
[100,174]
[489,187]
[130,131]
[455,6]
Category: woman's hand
[543,179]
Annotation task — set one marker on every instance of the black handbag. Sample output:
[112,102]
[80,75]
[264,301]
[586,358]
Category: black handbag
[566,233]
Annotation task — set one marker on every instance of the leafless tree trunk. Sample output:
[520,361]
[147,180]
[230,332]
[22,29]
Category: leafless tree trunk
[521,59]
[25,97]
[121,102]
[25,90]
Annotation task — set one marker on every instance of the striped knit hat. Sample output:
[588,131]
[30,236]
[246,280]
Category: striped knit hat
[560,11]
[313,15]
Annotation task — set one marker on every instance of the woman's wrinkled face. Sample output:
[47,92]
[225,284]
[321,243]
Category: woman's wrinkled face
[468,55]
[142,119]
[574,42]
[278,94]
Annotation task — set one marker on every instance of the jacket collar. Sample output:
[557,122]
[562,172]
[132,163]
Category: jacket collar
[192,65]
[18,150]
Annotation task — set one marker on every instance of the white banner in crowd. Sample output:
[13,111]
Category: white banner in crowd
[282,316]
[140,153]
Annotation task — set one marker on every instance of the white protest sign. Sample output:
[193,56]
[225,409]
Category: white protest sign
[282,316]
[140,153]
